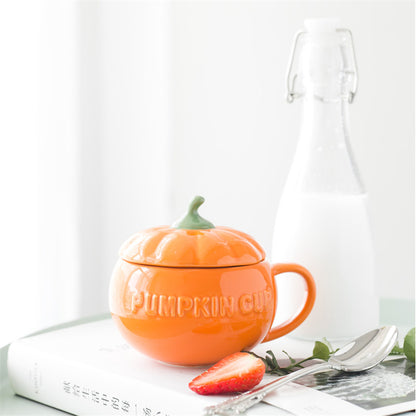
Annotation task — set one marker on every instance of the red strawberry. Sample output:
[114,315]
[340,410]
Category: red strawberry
[237,372]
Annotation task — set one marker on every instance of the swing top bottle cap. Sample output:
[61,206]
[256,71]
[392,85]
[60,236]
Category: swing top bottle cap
[323,25]
[322,56]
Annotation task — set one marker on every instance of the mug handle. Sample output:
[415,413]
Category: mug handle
[293,322]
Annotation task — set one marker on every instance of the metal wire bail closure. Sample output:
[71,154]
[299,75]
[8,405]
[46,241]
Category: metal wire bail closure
[291,74]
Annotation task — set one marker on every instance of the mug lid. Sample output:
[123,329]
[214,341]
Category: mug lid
[169,247]
[192,241]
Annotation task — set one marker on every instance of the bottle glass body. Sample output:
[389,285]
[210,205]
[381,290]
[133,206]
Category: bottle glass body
[322,220]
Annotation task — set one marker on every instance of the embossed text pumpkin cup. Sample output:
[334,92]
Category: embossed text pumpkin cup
[193,293]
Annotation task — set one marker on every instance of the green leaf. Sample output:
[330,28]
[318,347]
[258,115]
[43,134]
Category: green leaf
[321,351]
[396,350]
[269,362]
[409,345]
[328,344]
[272,361]
[292,360]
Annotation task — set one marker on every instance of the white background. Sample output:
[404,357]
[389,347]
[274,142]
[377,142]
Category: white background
[115,114]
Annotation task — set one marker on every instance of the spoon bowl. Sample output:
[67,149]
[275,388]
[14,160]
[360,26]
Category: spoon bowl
[366,351]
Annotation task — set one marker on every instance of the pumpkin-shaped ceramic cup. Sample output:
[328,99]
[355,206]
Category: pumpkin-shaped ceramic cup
[193,293]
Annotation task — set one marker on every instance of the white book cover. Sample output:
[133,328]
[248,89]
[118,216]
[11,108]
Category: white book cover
[90,370]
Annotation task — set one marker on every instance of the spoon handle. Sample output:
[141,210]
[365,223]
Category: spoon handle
[241,403]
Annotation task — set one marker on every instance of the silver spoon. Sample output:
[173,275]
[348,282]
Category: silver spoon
[361,354]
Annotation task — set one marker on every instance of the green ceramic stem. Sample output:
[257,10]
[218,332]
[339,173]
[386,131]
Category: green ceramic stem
[192,220]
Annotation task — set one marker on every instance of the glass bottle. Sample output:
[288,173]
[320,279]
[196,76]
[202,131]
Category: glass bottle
[322,220]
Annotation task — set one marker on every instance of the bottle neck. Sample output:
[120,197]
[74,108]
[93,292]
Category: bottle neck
[324,161]
[324,122]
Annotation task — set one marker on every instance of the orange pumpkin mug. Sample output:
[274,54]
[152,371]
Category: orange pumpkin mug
[193,293]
